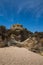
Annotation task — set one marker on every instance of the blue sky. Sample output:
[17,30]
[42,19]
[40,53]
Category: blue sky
[29,13]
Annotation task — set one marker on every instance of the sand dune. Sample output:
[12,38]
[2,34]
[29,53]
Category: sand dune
[19,56]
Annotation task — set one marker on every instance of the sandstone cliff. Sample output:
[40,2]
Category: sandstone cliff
[20,36]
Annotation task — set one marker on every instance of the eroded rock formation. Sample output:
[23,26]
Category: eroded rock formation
[20,36]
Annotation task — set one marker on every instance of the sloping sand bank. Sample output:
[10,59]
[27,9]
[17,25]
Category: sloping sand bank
[19,56]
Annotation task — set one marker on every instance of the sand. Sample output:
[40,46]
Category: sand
[19,56]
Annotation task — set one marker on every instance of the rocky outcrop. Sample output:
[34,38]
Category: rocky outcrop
[19,32]
[21,37]
[16,32]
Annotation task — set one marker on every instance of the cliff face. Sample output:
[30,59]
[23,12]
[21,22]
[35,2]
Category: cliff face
[20,36]
[16,32]
[19,33]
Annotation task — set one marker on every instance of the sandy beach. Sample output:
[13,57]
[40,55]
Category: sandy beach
[19,56]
